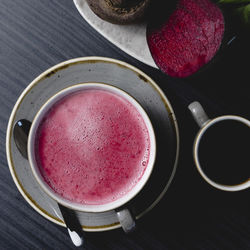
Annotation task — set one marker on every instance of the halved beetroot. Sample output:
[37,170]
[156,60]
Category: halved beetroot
[188,38]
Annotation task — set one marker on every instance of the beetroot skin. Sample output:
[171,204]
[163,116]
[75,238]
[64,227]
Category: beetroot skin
[188,39]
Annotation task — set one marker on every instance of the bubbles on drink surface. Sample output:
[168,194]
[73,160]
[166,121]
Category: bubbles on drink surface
[93,147]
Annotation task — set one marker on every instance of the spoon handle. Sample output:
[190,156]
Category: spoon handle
[73,225]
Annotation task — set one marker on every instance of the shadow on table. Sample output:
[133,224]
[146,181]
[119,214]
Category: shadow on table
[192,211]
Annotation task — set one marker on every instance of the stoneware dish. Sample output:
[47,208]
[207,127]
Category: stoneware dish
[134,82]
[131,38]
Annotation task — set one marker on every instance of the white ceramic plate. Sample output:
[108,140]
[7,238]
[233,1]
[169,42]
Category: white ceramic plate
[130,38]
[131,80]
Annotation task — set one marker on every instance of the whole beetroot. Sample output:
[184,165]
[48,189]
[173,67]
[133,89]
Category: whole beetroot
[188,38]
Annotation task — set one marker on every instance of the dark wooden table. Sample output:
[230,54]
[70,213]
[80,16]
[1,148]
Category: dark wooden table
[35,35]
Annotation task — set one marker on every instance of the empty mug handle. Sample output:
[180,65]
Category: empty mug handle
[126,220]
[198,113]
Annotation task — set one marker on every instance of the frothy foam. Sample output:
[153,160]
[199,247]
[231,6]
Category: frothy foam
[93,147]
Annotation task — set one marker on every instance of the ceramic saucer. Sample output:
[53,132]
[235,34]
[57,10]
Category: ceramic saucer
[126,77]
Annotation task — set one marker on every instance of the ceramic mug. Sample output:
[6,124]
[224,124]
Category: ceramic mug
[119,205]
[205,125]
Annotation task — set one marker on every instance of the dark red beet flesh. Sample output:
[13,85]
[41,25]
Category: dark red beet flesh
[188,39]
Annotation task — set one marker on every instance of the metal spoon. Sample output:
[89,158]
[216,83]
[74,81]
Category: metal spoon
[21,132]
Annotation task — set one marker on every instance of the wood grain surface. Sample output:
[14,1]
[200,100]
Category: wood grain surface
[35,35]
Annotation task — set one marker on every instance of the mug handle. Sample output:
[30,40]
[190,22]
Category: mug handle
[198,113]
[126,220]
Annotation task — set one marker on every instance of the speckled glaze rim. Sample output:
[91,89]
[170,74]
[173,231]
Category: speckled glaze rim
[51,71]
[237,187]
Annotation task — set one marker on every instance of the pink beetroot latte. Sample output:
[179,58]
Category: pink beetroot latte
[93,147]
